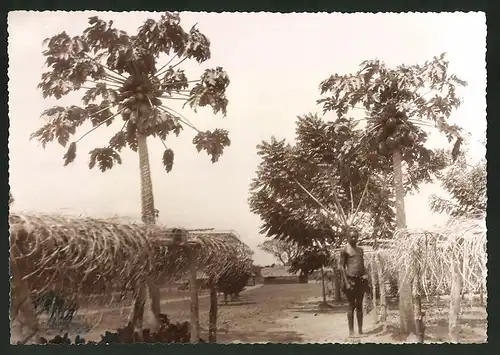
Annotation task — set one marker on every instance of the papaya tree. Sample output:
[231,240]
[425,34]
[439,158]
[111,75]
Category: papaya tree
[120,76]
[399,103]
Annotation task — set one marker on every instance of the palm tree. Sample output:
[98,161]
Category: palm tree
[398,105]
[121,76]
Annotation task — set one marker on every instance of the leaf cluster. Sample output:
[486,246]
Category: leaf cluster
[397,101]
[466,186]
[120,75]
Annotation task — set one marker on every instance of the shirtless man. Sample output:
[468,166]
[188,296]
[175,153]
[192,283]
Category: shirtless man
[355,279]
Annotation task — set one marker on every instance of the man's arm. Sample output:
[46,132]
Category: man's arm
[342,266]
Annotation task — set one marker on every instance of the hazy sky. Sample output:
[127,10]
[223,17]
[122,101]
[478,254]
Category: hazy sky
[275,63]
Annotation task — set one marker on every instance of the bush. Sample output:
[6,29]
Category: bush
[232,282]
[167,333]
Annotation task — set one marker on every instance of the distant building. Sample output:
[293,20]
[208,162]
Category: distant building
[279,275]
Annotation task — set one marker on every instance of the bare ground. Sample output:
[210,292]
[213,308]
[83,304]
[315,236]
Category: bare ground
[283,314]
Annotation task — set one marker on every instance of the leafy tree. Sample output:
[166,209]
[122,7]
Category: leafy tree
[466,185]
[121,76]
[398,105]
[309,259]
[282,251]
[232,281]
[307,193]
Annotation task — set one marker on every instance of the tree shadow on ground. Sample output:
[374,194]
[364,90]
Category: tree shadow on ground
[319,307]
[258,336]
[236,303]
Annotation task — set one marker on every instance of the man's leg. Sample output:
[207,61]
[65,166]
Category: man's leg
[350,309]
[359,292]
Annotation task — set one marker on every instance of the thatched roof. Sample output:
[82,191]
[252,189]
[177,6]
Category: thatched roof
[433,252]
[88,253]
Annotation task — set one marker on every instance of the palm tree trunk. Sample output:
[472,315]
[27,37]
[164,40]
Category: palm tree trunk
[381,282]
[406,316]
[148,217]
[147,199]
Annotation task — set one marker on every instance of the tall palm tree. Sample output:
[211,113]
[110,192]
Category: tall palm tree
[398,103]
[121,76]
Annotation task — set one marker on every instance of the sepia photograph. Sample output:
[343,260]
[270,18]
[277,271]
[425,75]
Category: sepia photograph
[194,177]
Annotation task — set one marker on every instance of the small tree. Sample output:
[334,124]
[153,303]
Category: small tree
[309,260]
[283,251]
[232,281]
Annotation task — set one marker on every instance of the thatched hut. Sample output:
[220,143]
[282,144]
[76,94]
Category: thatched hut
[279,275]
[87,255]
[447,260]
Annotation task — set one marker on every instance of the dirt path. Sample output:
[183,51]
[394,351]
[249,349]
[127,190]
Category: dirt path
[285,314]
[148,303]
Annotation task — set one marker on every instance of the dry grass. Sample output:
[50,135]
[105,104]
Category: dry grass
[88,255]
[428,255]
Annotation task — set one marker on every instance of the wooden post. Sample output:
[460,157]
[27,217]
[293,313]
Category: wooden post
[21,306]
[455,299]
[381,282]
[193,288]
[212,318]
[338,285]
[323,284]
[154,295]
[137,316]
[374,290]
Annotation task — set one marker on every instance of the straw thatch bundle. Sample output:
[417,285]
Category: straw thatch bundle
[213,262]
[92,255]
[215,253]
[430,254]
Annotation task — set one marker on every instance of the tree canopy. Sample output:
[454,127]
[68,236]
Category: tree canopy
[398,102]
[306,192]
[121,76]
[281,250]
[309,260]
[466,186]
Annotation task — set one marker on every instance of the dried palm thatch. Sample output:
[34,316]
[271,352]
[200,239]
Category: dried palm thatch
[93,255]
[220,251]
[428,255]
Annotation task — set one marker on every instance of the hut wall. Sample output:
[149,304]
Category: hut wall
[281,280]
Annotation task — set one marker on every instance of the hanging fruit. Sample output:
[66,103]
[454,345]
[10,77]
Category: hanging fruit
[406,140]
[391,142]
[126,114]
[390,123]
[144,108]
[139,96]
[382,148]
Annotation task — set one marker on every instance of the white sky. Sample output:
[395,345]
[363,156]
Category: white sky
[275,63]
